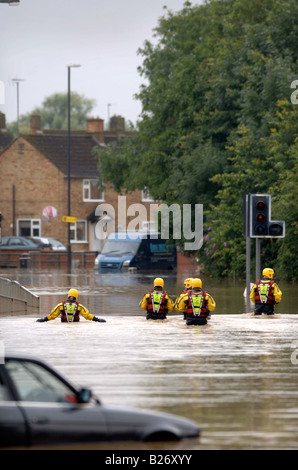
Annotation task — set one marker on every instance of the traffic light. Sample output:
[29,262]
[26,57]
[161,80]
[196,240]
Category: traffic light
[259,210]
[261,225]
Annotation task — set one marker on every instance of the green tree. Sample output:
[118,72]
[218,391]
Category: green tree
[264,165]
[53,112]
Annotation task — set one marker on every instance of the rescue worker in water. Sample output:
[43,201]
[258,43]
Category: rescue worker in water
[70,310]
[196,304]
[187,287]
[156,302]
[265,293]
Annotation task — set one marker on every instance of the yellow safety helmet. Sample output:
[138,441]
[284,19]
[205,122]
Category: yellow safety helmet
[197,283]
[188,282]
[268,272]
[158,282]
[73,293]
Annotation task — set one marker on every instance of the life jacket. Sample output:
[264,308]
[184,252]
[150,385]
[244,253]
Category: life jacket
[157,302]
[197,305]
[70,311]
[264,292]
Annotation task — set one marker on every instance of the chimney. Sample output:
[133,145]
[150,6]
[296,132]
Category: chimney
[117,124]
[94,126]
[35,124]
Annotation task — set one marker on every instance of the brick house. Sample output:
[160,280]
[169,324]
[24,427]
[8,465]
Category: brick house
[33,180]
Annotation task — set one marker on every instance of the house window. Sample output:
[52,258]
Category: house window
[28,227]
[91,191]
[146,197]
[78,232]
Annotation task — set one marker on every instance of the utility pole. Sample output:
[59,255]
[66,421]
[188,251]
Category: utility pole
[17,81]
[69,67]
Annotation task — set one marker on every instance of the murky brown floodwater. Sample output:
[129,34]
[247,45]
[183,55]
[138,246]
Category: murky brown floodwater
[237,376]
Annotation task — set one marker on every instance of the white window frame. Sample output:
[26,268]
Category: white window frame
[73,230]
[35,224]
[87,187]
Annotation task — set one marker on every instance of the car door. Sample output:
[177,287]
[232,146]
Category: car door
[13,429]
[51,406]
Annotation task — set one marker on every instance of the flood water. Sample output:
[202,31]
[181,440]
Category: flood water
[237,377]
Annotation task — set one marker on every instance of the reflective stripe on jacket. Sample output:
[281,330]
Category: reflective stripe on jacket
[157,302]
[197,305]
[264,292]
[70,311]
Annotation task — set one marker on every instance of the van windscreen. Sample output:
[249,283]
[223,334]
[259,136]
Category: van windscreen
[120,247]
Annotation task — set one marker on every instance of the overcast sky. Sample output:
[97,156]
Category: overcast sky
[39,38]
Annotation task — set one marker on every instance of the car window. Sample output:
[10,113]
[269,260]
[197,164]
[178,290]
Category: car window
[14,241]
[4,396]
[35,383]
[54,242]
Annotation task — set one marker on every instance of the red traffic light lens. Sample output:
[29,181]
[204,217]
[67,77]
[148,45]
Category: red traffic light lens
[260,205]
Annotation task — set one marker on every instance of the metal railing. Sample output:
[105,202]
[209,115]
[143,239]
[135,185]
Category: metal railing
[43,259]
[16,299]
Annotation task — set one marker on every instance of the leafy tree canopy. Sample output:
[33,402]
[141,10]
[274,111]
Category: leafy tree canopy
[217,122]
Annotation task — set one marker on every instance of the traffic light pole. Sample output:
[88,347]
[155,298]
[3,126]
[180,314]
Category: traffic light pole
[258,258]
[247,238]
[258,224]
[247,274]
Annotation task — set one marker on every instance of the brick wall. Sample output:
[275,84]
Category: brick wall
[37,183]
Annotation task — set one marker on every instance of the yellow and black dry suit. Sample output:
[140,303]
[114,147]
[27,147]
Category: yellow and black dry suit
[70,311]
[265,294]
[196,306]
[157,304]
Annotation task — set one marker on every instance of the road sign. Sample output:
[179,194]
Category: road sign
[70,220]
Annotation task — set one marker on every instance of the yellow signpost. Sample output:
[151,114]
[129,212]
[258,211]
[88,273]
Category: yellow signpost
[70,220]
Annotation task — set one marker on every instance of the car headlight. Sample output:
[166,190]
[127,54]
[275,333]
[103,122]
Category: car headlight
[126,263]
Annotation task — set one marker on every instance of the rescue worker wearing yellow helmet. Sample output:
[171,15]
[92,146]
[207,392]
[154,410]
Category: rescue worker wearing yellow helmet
[70,310]
[156,302]
[187,288]
[196,304]
[265,293]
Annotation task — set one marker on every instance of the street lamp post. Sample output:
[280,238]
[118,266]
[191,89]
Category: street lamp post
[69,67]
[17,81]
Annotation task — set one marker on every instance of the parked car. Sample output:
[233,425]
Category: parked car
[38,406]
[17,243]
[50,242]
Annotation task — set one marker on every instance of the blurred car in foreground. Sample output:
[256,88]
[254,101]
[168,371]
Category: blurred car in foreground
[39,406]
[50,242]
[17,243]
